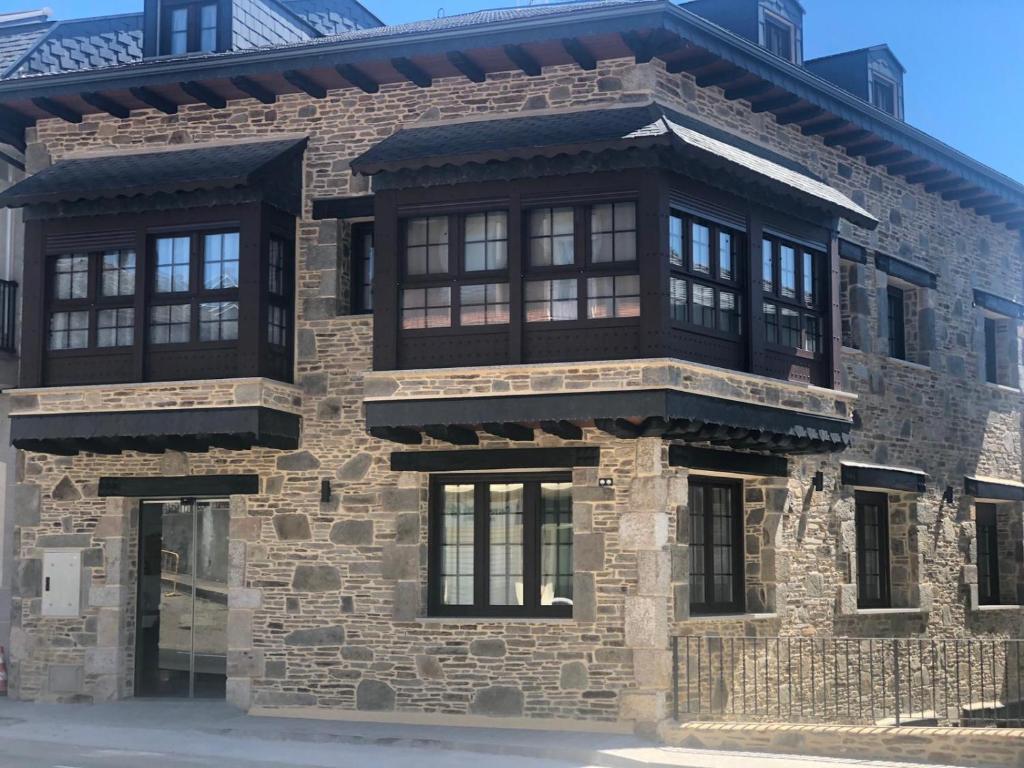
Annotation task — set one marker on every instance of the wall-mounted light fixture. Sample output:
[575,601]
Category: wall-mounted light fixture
[325,491]
[947,496]
[819,481]
[605,482]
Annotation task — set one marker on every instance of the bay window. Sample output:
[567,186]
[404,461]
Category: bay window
[91,300]
[704,280]
[793,307]
[501,545]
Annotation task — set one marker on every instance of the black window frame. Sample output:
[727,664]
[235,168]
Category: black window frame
[738,603]
[712,279]
[280,300]
[986,521]
[786,30]
[991,331]
[814,307]
[896,308]
[92,303]
[880,500]
[363,254]
[481,547]
[194,10]
[881,85]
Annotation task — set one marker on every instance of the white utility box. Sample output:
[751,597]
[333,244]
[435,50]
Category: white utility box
[62,583]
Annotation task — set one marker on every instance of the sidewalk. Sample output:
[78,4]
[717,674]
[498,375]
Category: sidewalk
[212,733]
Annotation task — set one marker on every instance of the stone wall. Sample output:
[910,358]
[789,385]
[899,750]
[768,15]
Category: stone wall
[326,602]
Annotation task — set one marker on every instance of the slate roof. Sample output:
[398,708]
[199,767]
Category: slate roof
[128,174]
[104,41]
[16,41]
[333,17]
[596,130]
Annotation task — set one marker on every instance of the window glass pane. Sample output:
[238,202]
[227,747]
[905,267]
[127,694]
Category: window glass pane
[679,300]
[698,587]
[456,541]
[426,250]
[486,241]
[725,268]
[179,31]
[767,266]
[556,569]
[208,28]
[551,300]
[551,237]
[617,296]
[173,257]
[722,510]
[69,330]
[220,261]
[218,321]
[812,334]
[71,277]
[505,580]
[277,326]
[676,254]
[115,327]
[170,324]
[703,305]
[771,323]
[728,312]
[789,328]
[613,232]
[118,273]
[810,293]
[485,304]
[426,308]
[275,266]
[787,271]
[365,254]
[700,236]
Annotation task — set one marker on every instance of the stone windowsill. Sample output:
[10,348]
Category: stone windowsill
[1003,388]
[997,608]
[495,620]
[908,364]
[889,611]
[732,617]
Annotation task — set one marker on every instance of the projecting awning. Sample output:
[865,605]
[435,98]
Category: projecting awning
[993,488]
[191,429]
[261,164]
[886,478]
[592,131]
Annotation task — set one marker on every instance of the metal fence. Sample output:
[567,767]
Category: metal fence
[8,316]
[976,682]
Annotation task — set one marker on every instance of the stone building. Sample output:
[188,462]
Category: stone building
[451,370]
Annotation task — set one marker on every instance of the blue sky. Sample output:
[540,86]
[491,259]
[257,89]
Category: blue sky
[964,60]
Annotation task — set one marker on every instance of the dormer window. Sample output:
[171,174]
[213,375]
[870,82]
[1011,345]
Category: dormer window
[188,28]
[883,95]
[778,37]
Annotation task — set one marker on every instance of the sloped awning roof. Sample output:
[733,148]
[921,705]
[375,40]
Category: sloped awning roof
[129,174]
[652,125]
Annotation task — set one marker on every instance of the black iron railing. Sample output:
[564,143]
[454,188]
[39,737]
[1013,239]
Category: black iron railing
[859,681]
[8,316]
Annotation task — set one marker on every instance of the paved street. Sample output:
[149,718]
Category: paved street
[182,734]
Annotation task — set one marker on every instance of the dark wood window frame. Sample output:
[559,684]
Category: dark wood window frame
[481,547]
[806,306]
[249,355]
[685,270]
[785,29]
[986,520]
[883,85]
[92,303]
[896,297]
[738,547]
[361,291]
[880,501]
[193,27]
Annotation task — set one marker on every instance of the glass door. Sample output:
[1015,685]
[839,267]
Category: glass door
[181,648]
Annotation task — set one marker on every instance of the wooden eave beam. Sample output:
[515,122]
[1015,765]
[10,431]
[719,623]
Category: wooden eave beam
[452,434]
[522,59]
[646,47]
[690,63]
[868,148]
[412,72]
[850,136]
[509,431]
[621,428]
[748,91]
[1006,218]
[996,208]
[563,429]
[961,194]
[907,166]
[252,88]
[886,157]
[106,104]
[55,108]
[402,435]
[984,199]
[799,115]
[153,99]
[358,78]
[776,102]
[721,78]
[579,53]
[925,177]
[947,184]
[467,66]
[202,93]
[825,126]
[305,83]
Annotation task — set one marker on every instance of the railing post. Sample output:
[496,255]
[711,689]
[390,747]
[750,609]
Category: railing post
[896,679]
[675,678]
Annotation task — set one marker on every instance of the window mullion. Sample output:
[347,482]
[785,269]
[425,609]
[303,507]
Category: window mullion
[709,547]
[481,544]
[531,546]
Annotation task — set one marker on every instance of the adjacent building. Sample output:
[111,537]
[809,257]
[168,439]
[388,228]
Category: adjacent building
[451,370]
